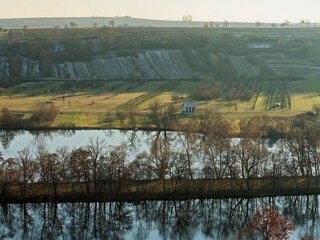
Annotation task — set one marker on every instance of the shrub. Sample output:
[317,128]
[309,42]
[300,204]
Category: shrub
[43,113]
[7,119]
[175,97]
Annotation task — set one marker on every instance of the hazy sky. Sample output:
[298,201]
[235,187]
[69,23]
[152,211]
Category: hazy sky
[201,10]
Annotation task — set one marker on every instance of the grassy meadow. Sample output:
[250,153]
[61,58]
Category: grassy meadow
[90,105]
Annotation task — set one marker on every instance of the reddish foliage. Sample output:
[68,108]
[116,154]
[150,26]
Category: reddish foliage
[271,225]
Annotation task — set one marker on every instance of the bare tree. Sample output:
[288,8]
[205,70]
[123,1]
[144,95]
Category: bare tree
[286,22]
[258,24]
[188,137]
[158,159]
[115,168]
[26,169]
[112,23]
[8,174]
[187,18]
[73,25]
[132,115]
[155,108]
[225,23]
[121,116]
[79,168]
[97,150]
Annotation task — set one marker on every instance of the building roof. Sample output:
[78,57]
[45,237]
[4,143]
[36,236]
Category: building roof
[189,105]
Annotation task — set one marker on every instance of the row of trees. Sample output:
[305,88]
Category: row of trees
[212,154]
[43,114]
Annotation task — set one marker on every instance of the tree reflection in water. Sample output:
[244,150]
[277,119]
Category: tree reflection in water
[192,219]
[7,136]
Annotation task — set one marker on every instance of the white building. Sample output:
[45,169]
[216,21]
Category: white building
[189,107]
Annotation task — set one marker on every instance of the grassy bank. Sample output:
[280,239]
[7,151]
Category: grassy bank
[152,190]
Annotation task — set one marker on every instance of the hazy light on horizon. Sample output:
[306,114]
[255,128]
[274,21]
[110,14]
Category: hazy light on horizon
[201,10]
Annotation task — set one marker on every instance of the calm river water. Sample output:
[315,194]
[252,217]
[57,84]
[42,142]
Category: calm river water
[193,219]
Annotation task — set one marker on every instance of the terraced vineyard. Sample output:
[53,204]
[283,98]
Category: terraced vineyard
[282,66]
[243,67]
[151,65]
[30,68]
[168,86]
[4,67]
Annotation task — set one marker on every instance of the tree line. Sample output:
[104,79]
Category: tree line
[246,163]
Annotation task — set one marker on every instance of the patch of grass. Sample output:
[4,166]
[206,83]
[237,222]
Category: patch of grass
[81,119]
[300,96]
[313,86]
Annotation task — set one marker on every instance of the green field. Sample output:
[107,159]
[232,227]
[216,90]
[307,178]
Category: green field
[313,86]
[88,105]
[300,96]
[272,92]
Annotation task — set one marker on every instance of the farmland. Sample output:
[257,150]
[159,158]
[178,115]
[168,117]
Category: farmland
[313,86]
[89,73]
[88,106]
[272,92]
[4,67]
[243,67]
[148,65]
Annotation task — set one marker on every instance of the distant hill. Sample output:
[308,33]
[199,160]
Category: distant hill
[132,22]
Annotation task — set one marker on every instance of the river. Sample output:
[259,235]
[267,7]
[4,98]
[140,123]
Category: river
[192,219]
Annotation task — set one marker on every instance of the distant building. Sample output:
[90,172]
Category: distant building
[189,107]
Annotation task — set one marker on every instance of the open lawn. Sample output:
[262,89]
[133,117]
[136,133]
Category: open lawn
[81,119]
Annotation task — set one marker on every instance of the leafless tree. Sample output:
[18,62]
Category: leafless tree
[26,169]
[97,151]
[158,159]
[190,147]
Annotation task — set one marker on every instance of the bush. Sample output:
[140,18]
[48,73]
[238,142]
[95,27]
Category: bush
[8,119]
[175,98]
[43,113]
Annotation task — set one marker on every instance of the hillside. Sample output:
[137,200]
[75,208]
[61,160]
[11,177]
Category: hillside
[92,72]
[132,22]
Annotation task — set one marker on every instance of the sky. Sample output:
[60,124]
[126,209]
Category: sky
[201,10]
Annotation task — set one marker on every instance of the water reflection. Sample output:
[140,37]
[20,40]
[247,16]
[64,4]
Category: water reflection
[14,141]
[192,219]
[7,136]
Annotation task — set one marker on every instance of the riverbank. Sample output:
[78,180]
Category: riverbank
[153,190]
